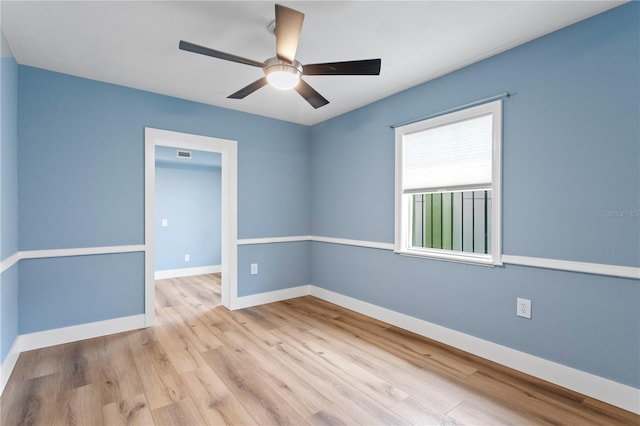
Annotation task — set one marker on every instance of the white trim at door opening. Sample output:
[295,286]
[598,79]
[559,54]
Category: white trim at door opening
[229,154]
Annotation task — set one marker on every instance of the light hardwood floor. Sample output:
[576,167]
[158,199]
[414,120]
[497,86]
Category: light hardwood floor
[302,361]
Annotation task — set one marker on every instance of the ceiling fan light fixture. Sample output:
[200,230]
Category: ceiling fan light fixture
[283,80]
[283,75]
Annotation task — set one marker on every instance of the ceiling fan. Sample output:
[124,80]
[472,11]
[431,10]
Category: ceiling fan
[283,71]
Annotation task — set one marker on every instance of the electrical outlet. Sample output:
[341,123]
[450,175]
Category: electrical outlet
[254,269]
[523,308]
[165,223]
[187,257]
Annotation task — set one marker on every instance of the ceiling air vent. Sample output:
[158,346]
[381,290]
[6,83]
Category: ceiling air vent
[184,154]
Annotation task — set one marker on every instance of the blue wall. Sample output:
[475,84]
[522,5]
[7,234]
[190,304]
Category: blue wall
[81,174]
[8,197]
[570,159]
[188,196]
[9,156]
[8,309]
[287,263]
[65,291]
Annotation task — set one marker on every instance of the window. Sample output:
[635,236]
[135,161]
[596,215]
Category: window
[448,175]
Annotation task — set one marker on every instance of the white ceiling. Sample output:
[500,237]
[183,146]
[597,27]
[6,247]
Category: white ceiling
[135,44]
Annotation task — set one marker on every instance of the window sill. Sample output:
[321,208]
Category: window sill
[481,260]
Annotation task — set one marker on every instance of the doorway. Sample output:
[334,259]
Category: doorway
[228,152]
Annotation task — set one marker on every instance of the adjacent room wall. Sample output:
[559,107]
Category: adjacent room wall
[188,197]
[570,192]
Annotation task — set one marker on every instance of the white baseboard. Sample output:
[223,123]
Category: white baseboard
[187,272]
[9,363]
[269,297]
[606,390]
[58,336]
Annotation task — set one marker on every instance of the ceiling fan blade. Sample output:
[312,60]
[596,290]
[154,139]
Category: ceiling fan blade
[245,91]
[288,27]
[363,67]
[190,47]
[309,93]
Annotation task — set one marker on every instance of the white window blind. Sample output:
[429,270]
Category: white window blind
[456,155]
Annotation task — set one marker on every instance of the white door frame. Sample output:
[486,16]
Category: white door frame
[229,231]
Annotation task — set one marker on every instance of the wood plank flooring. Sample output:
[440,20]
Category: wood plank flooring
[298,362]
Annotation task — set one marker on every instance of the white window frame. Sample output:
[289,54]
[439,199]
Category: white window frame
[403,209]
